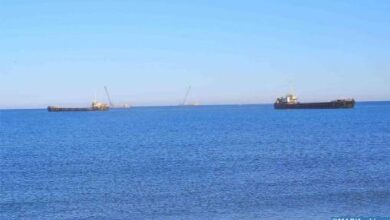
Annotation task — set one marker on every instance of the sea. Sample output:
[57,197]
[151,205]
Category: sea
[203,162]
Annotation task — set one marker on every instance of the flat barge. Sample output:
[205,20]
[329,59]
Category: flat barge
[291,102]
[96,106]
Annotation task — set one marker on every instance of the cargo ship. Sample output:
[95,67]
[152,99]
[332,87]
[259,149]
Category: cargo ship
[95,106]
[291,102]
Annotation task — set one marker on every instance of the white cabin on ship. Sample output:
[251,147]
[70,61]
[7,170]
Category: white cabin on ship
[288,99]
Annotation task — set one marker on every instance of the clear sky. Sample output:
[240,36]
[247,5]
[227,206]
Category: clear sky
[148,52]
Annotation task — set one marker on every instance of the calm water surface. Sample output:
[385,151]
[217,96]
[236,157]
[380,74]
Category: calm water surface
[215,162]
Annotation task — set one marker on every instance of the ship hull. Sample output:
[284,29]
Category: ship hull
[317,105]
[60,109]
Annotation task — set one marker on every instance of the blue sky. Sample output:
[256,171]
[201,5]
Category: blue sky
[148,52]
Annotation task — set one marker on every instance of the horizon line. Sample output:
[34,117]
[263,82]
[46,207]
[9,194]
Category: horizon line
[157,106]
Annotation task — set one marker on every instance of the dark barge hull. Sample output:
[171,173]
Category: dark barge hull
[317,105]
[60,109]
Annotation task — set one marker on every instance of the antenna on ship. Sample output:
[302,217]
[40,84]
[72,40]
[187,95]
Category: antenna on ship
[291,89]
[186,95]
[108,97]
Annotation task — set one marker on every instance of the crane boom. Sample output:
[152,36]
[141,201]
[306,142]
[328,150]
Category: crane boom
[186,95]
[108,96]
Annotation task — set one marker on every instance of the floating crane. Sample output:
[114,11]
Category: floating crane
[111,104]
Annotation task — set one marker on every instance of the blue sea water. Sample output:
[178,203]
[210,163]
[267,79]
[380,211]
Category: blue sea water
[206,162]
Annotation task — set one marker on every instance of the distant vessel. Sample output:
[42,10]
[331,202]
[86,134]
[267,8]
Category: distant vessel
[111,104]
[96,106]
[185,103]
[291,102]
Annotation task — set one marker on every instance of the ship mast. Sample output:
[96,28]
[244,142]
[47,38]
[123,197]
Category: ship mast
[291,87]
